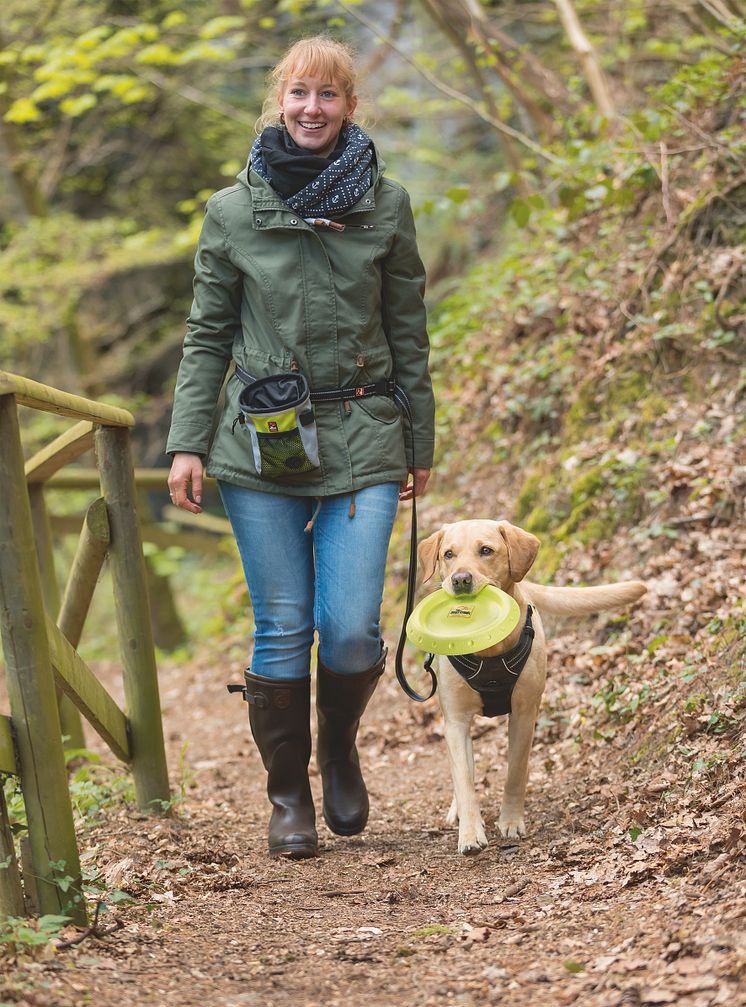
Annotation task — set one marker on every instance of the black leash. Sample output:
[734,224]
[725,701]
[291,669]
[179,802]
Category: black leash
[403,403]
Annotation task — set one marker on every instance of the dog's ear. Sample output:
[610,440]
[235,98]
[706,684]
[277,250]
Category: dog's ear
[427,553]
[522,548]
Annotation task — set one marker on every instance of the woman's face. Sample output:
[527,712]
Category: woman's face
[314,112]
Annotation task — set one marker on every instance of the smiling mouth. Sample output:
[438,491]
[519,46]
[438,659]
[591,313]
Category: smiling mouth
[312,125]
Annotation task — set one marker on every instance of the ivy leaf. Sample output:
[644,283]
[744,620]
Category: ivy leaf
[520,211]
[458,193]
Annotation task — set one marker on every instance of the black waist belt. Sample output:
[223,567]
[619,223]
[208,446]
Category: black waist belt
[494,678]
[383,387]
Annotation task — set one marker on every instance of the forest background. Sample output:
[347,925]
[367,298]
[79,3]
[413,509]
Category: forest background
[577,173]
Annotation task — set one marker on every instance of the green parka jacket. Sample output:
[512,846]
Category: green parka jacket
[275,293]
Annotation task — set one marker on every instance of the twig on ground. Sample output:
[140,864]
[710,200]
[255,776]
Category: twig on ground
[665,189]
[92,931]
[515,889]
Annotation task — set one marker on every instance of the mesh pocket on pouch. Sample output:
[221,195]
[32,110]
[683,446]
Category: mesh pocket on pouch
[283,455]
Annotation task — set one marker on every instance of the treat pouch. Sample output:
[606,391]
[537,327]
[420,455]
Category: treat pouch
[277,413]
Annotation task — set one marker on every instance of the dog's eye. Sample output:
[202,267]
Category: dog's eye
[485,550]
[448,554]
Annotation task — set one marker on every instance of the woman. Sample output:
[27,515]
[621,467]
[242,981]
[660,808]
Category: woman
[308,267]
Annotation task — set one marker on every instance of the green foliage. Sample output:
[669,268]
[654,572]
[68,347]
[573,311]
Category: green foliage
[20,933]
[621,698]
[94,788]
[46,266]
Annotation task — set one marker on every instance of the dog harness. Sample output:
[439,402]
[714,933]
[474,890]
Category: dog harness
[494,678]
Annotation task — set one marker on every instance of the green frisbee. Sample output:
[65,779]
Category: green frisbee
[445,624]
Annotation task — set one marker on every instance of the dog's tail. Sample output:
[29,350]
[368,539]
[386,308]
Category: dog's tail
[583,600]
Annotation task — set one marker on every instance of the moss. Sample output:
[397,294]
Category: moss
[608,404]
[587,486]
[656,747]
[429,931]
[548,561]
[597,529]
[539,520]
[528,498]
[572,523]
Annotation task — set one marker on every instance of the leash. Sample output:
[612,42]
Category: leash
[403,403]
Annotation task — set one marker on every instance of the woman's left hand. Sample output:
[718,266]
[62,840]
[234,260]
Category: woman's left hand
[420,477]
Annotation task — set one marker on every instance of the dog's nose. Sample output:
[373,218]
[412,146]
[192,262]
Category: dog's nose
[462,582]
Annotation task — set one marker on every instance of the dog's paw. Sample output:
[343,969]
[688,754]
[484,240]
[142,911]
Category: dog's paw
[452,816]
[511,827]
[472,841]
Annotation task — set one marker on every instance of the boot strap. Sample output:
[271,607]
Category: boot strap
[253,699]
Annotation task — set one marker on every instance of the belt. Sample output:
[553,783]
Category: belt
[385,386]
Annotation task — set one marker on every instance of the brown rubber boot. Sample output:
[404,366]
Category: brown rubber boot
[340,702]
[279,715]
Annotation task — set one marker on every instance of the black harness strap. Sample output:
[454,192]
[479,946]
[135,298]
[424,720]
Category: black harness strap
[494,678]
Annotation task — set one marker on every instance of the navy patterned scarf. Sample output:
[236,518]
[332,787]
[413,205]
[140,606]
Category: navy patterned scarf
[315,186]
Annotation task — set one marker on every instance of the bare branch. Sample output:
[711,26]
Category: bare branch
[451,92]
[721,13]
[197,97]
[587,55]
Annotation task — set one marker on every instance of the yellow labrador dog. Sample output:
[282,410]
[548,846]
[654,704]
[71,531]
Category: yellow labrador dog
[468,555]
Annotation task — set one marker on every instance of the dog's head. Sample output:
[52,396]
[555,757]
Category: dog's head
[470,554]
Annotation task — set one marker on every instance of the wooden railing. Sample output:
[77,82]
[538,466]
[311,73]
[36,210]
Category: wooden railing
[194,533]
[40,654]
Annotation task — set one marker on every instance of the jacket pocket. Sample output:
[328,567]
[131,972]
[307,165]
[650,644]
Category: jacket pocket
[381,408]
[375,437]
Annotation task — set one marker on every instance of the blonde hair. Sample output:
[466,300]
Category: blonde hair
[320,56]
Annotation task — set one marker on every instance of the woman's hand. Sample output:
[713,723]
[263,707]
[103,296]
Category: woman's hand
[420,477]
[186,470]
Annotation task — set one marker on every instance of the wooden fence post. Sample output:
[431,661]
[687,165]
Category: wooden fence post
[70,721]
[127,564]
[31,686]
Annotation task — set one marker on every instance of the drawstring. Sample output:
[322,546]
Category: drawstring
[309,527]
[350,513]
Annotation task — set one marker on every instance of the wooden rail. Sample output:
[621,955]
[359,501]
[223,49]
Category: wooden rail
[39,645]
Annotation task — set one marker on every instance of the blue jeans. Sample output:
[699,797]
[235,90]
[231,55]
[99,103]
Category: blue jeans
[329,579]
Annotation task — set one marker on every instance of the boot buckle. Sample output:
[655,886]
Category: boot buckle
[253,699]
